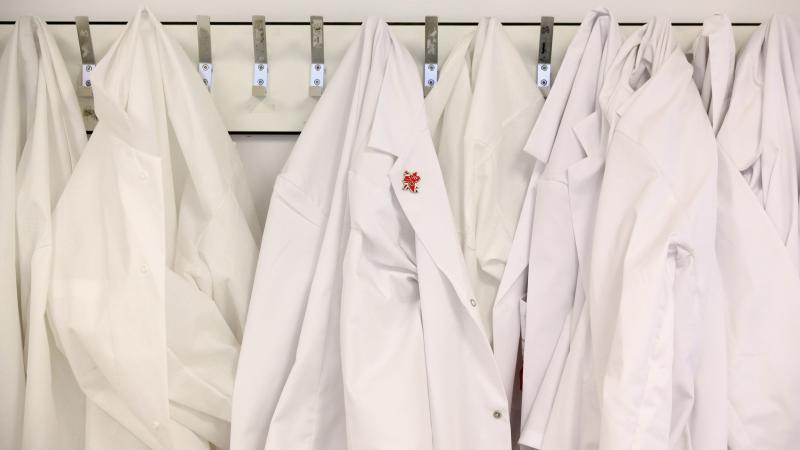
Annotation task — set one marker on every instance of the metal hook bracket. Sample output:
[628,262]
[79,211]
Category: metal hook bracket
[204,66]
[260,66]
[543,67]
[431,67]
[316,81]
[87,55]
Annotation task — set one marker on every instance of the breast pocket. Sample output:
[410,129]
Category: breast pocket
[387,238]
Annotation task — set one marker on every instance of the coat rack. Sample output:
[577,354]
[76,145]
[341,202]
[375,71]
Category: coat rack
[266,75]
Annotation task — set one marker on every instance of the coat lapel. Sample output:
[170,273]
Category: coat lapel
[428,209]
[583,182]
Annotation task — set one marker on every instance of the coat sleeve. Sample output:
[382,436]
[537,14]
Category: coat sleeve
[220,258]
[208,293]
[551,294]
[289,254]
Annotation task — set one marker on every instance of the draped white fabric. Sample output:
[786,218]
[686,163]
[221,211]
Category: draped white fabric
[616,266]
[41,139]
[154,251]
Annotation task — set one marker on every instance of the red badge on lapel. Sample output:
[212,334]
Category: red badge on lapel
[410,180]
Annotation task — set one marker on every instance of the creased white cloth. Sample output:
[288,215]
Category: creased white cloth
[41,138]
[154,251]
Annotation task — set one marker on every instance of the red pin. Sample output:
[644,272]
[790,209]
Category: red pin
[410,180]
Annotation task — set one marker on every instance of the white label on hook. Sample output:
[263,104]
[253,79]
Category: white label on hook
[205,70]
[431,74]
[543,76]
[260,74]
[86,74]
[317,76]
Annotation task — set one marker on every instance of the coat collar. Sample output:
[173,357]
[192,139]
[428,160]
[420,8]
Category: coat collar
[171,111]
[741,132]
[713,63]
[759,110]
[598,24]
[648,63]
[501,86]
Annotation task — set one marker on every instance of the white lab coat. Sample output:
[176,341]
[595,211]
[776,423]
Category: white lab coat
[559,405]
[363,330]
[762,288]
[761,132]
[41,137]
[656,315]
[480,114]
[154,251]
[424,282]
[288,391]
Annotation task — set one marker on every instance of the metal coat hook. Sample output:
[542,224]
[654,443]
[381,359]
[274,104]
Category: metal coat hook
[260,66]
[87,55]
[543,67]
[430,69]
[204,66]
[316,81]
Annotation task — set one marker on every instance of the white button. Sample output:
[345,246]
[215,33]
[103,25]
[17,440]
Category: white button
[156,424]
[143,268]
[497,415]
[143,175]
[473,302]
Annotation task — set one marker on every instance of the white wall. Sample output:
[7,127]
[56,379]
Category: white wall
[263,157]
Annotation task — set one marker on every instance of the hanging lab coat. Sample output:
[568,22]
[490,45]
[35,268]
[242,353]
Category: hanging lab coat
[424,284]
[480,114]
[153,254]
[289,391]
[762,299]
[559,404]
[365,265]
[714,57]
[657,322]
[41,137]
[761,133]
